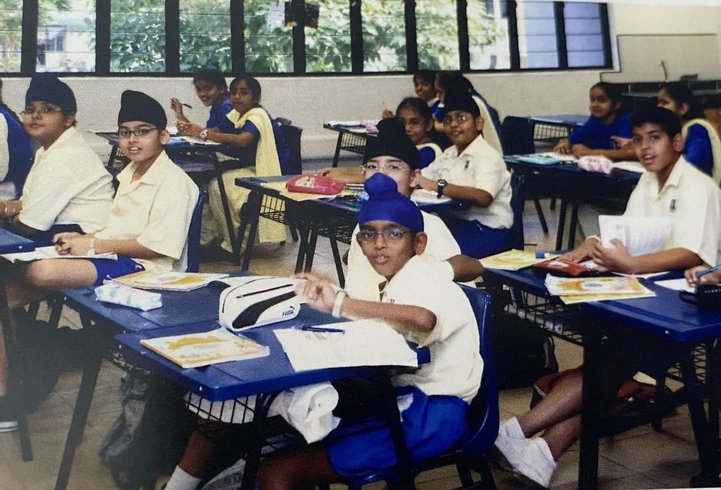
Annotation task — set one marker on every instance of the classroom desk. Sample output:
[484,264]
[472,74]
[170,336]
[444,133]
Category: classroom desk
[549,129]
[12,243]
[351,138]
[333,218]
[189,312]
[575,187]
[193,158]
[677,326]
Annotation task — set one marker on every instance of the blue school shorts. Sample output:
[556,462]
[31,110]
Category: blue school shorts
[432,425]
[110,269]
[45,238]
[477,240]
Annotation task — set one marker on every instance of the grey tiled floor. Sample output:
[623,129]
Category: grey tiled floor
[639,458]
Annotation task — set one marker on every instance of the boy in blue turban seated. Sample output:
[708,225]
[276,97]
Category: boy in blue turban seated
[426,308]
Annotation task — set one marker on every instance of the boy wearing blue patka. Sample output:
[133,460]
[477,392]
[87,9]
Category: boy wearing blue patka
[427,309]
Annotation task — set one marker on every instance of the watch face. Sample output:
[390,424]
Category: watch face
[442,182]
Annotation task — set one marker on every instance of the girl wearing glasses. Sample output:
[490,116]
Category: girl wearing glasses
[67,188]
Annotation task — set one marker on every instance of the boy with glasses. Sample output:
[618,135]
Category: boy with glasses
[471,170]
[67,188]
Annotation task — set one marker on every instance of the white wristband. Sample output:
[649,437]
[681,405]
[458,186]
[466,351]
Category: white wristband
[91,247]
[338,303]
[594,237]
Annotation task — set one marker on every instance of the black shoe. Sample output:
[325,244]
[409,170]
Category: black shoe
[215,253]
[8,422]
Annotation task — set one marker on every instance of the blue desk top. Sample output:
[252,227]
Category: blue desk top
[665,314]
[12,243]
[572,170]
[562,119]
[230,380]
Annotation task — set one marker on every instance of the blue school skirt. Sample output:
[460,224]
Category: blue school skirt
[477,240]
[432,425]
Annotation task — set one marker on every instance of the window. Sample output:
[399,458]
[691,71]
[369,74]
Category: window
[537,34]
[66,37]
[11,18]
[296,37]
[437,34]
[205,35]
[268,43]
[327,47]
[384,37]
[137,36]
[488,44]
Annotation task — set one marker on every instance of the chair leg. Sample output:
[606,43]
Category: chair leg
[56,311]
[481,466]
[541,217]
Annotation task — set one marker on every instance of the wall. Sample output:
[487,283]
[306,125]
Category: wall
[310,101]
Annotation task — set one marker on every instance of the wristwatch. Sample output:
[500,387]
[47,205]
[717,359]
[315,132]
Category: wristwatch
[441,186]
[204,135]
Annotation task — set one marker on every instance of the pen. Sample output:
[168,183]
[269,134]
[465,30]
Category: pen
[702,273]
[543,255]
[187,105]
[308,328]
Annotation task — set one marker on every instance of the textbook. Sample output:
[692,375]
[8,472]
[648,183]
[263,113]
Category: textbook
[168,281]
[202,349]
[51,253]
[513,260]
[580,290]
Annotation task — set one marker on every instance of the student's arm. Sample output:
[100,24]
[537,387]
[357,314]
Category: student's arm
[583,251]
[617,259]
[474,195]
[319,294]
[465,268]
[563,147]
[617,155]
[10,209]
[242,140]
[177,107]
[76,244]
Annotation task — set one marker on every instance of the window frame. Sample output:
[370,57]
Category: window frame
[236,11]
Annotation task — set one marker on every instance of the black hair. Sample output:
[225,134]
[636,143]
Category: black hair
[213,76]
[667,120]
[454,81]
[428,76]
[682,94]
[612,90]
[417,104]
[252,84]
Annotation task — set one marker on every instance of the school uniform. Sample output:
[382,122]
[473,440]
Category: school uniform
[702,147]
[479,231]
[218,119]
[67,185]
[16,156]
[271,155]
[596,135]
[428,153]
[693,202]
[362,280]
[433,399]
[155,210]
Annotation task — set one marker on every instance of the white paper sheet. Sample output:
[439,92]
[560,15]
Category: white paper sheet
[51,253]
[640,235]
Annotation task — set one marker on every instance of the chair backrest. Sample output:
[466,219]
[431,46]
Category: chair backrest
[484,414]
[194,233]
[292,139]
[517,136]
[516,238]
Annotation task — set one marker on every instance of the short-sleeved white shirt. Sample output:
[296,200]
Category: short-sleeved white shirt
[155,210]
[480,166]
[67,184]
[692,201]
[362,280]
[456,365]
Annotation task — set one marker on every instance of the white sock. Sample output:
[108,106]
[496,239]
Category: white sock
[545,449]
[180,480]
[513,429]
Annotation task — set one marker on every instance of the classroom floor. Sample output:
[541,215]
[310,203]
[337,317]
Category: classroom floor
[640,458]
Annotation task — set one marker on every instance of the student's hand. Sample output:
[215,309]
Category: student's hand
[710,278]
[387,113]
[72,243]
[582,252]
[426,183]
[318,293]
[177,107]
[579,151]
[616,258]
[189,129]
[563,147]
[621,142]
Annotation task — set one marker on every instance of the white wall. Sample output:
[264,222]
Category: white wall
[310,101]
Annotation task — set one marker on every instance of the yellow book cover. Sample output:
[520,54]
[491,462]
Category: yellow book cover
[202,349]
[168,281]
[513,260]
[614,285]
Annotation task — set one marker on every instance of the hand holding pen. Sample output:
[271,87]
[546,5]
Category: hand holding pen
[703,275]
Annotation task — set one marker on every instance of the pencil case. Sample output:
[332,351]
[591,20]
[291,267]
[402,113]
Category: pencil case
[314,184]
[539,159]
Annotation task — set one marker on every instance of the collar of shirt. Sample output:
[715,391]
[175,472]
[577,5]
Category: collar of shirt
[674,177]
[153,176]
[408,274]
[67,134]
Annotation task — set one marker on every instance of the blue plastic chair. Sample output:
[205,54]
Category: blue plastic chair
[194,233]
[483,416]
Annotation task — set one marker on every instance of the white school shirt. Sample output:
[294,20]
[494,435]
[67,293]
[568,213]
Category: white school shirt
[692,201]
[480,166]
[4,148]
[362,280]
[67,184]
[155,210]
[456,366]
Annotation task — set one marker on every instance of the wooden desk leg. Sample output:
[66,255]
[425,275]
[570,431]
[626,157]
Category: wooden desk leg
[91,368]
[226,204]
[590,415]
[337,148]
[8,331]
